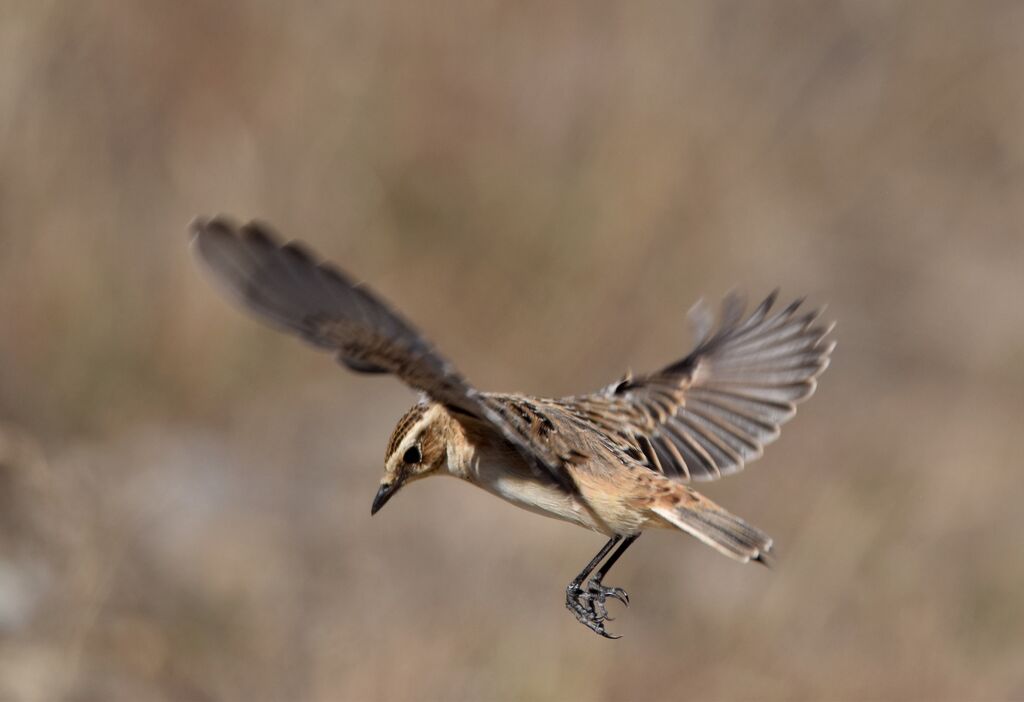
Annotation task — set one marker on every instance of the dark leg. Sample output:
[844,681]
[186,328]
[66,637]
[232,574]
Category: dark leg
[615,556]
[595,560]
[589,605]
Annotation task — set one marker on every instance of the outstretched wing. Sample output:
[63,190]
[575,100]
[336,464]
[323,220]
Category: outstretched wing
[285,285]
[710,413]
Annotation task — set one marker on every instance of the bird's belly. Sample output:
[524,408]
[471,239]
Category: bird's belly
[551,501]
[510,479]
[541,499]
[526,492]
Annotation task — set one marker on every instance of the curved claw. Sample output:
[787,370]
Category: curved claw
[619,594]
[598,628]
[589,606]
[599,590]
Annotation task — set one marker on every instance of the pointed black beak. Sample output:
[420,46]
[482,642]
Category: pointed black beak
[383,495]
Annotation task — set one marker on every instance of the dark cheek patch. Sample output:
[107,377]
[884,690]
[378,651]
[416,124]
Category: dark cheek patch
[433,451]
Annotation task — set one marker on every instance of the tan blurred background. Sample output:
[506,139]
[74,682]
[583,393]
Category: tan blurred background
[545,188]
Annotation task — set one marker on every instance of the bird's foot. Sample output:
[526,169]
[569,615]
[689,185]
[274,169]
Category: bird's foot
[588,605]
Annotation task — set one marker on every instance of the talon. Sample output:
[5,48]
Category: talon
[589,605]
[598,628]
[588,602]
[599,590]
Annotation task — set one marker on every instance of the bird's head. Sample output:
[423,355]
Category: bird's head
[418,448]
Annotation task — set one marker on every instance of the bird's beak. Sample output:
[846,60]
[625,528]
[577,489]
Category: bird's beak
[383,495]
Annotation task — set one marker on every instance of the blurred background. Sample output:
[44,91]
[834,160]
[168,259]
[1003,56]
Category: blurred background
[545,188]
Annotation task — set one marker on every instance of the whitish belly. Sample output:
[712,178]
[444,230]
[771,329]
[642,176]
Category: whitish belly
[541,499]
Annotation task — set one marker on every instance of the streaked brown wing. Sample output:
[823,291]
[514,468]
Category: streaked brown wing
[287,286]
[713,411]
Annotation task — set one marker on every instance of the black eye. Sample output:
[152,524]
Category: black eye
[412,455]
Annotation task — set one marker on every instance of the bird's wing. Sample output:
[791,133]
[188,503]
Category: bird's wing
[710,413]
[288,287]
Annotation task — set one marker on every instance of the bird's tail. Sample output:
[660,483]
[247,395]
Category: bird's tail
[721,530]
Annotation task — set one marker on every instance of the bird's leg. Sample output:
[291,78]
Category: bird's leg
[600,591]
[589,604]
[579,601]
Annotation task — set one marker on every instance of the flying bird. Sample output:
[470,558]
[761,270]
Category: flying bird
[617,461]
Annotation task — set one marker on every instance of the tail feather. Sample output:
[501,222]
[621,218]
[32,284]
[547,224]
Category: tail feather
[719,529]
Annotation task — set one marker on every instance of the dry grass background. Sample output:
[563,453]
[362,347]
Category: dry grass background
[545,188]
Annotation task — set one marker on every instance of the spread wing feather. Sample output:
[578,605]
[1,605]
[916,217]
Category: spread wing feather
[713,411]
[288,287]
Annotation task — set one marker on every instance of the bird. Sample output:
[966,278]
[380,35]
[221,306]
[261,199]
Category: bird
[617,461]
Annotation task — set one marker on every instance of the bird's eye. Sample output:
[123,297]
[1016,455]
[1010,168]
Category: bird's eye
[412,455]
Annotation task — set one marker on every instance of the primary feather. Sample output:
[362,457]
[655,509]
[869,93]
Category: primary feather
[716,409]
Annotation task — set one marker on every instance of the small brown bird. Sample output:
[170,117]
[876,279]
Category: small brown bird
[616,461]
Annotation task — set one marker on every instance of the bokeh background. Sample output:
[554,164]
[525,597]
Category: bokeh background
[545,188]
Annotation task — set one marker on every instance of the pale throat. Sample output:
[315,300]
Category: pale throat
[489,464]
